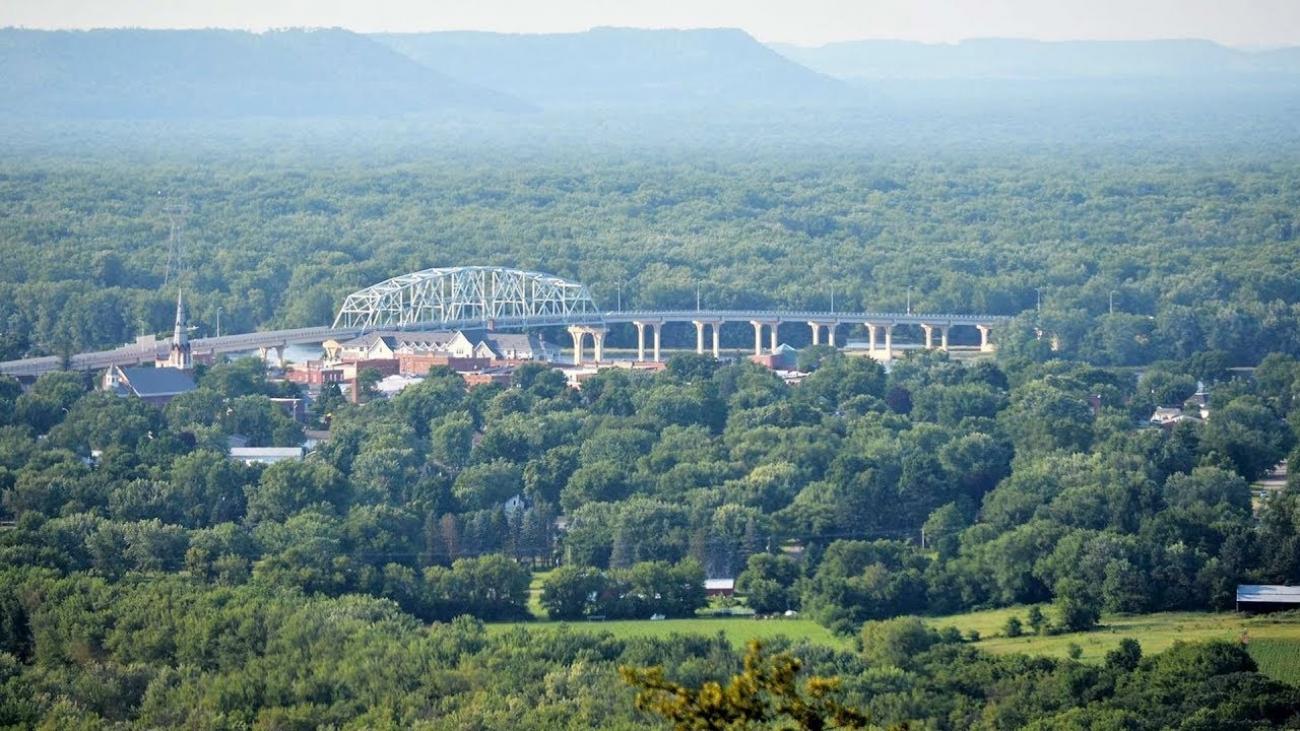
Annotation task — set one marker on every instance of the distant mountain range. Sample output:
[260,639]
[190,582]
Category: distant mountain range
[1027,59]
[147,74]
[222,73]
[623,66]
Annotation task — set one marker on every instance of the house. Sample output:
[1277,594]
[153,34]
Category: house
[370,346]
[720,587]
[154,386]
[515,346]
[499,375]
[418,364]
[1168,416]
[781,359]
[1267,598]
[317,373]
[266,455]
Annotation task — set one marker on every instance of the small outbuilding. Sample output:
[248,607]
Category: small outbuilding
[1259,598]
[719,587]
[266,455]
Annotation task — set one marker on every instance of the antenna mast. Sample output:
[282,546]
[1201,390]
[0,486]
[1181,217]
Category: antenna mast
[175,210]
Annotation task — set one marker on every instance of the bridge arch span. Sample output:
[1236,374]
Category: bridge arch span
[460,296]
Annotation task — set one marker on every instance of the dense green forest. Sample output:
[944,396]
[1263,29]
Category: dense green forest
[188,589]
[1197,251]
[149,581]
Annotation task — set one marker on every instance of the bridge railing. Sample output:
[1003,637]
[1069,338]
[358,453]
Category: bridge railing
[903,318]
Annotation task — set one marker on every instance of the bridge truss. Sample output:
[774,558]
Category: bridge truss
[471,294]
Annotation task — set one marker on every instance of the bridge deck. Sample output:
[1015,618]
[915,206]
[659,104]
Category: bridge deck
[138,353]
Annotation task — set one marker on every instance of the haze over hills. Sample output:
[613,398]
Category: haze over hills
[1029,59]
[222,73]
[634,86]
[624,66]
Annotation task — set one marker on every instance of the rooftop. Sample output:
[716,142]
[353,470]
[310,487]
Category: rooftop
[146,382]
[1274,593]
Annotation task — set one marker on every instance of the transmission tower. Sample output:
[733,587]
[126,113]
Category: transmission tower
[175,210]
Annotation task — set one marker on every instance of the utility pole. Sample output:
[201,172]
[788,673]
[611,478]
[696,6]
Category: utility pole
[218,320]
[909,300]
[620,296]
[1112,302]
[697,298]
[832,299]
[1039,305]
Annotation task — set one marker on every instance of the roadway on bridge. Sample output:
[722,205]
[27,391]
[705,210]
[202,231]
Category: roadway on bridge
[144,352]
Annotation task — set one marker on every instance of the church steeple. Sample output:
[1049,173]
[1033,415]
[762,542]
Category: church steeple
[180,356]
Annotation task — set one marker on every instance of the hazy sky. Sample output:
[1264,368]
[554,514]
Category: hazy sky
[1233,22]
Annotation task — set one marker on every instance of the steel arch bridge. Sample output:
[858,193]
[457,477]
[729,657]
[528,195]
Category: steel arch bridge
[459,296]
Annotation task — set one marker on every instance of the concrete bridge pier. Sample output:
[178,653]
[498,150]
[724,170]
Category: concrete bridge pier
[640,338]
[929,336]
[758,334]
[985,345]
[700,325]
[943,338]
[263,351]
[817,332]
[579,334]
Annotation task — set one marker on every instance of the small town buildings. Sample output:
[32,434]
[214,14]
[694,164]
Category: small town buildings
[1259,598]
[154,386]
[479,358]
[266,455]
[167,379]
[460,344]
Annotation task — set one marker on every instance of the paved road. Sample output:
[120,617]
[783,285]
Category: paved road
[139,353]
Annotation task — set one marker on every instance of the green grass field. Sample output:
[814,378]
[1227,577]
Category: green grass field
[740,630]
[1274,641]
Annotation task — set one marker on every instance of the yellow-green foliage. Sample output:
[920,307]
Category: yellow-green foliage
[1273,640]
